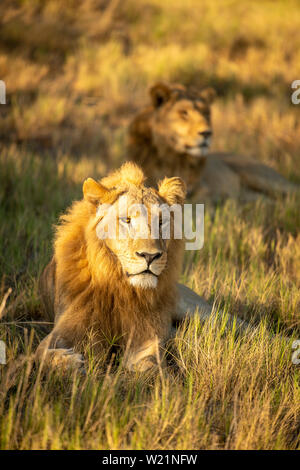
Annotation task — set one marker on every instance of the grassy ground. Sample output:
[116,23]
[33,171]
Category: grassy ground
[75,76]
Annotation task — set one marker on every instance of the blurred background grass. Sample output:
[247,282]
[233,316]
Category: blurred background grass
[76,72]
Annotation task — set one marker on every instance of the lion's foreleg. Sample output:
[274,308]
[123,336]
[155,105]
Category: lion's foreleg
[143,357]
[53,351]
[190,303]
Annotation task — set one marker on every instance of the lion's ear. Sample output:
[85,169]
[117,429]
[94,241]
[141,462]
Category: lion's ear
[160,93]
[173,190]
[208,95]
[94,192]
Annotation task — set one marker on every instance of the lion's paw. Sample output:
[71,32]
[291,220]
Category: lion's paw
[67,359]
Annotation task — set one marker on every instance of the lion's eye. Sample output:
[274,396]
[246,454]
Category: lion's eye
[183,114]
[126,220]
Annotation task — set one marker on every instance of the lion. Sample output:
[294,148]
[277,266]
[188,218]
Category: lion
[114,287]
[173,135]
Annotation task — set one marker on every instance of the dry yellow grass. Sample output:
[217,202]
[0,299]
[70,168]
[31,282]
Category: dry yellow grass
[76,72]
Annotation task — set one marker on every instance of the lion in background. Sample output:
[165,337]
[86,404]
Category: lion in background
[172,136]
[120,289]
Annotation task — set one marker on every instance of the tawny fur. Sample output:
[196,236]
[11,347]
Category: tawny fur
[152,143]
[153,130]
[85,290]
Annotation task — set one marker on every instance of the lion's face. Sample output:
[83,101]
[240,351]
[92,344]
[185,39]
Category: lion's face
[133,227]
[181,119]
[142,257]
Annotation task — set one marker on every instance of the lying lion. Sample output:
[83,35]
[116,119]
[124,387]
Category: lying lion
[172,137]
[119,289]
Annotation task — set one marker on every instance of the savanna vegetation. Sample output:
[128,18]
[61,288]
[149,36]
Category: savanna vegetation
[76,72]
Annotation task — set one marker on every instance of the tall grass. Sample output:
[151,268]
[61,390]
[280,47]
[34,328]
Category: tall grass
[76,73]
[218,392]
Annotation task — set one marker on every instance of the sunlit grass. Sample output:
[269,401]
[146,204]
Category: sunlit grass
[219,390]
[76,74]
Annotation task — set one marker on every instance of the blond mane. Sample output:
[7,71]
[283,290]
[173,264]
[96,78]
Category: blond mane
[91,290]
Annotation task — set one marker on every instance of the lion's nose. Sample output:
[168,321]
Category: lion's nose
[205,134]
[149,257]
